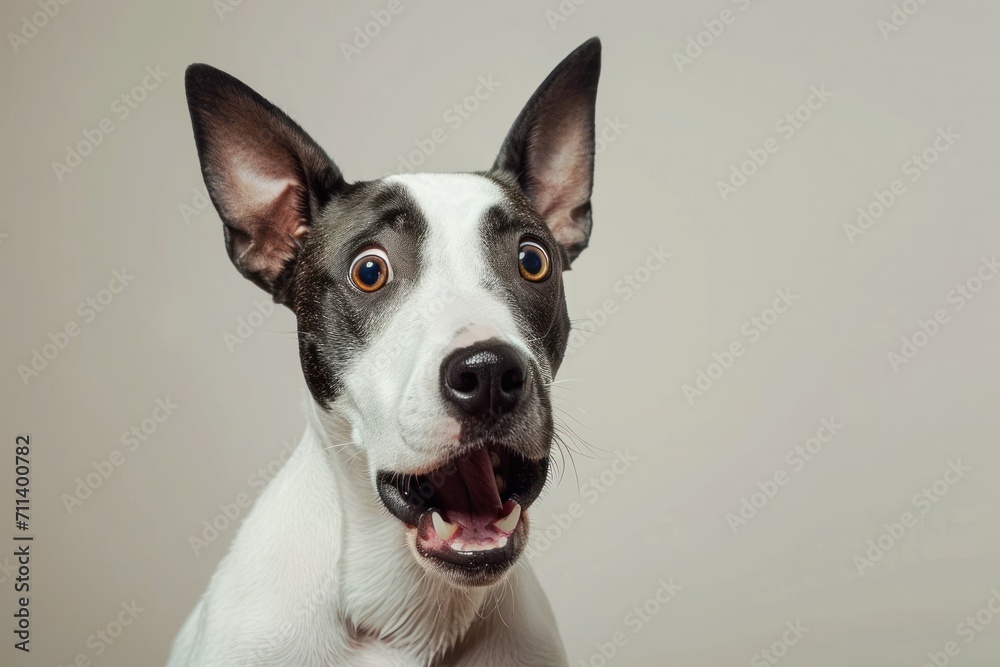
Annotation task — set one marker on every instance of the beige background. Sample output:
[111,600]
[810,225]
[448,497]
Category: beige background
[164,335]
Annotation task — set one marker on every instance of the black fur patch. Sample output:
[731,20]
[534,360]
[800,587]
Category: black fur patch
[335,319]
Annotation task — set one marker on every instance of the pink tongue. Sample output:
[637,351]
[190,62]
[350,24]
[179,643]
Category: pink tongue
[470,495]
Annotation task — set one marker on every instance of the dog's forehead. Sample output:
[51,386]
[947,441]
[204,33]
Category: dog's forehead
[452,205]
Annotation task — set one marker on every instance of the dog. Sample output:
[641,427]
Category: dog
[431,321]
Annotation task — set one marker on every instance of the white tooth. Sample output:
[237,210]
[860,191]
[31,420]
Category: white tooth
[495,460]
[501,483]
[509,522]
[444,529]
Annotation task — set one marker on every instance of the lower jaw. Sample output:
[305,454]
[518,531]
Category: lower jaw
[473,568]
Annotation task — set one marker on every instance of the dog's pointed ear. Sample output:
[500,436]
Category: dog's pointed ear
[550,148]
[267,178]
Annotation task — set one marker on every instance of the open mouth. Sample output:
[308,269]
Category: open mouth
[469,514]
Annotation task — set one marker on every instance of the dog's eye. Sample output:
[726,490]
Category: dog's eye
[371,270]
[533,261]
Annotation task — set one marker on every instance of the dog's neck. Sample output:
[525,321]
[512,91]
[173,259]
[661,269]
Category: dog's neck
[385,594]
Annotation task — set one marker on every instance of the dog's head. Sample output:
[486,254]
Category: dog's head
[430,307]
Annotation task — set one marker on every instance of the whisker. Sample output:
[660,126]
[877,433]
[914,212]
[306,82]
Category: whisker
[555,382]
[351,461]
[566,398]
[593,333]
[337,446]
[576,438]
[576,472]
[556,407]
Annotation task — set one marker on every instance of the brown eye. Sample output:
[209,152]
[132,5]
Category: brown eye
[371,270]
[533,261]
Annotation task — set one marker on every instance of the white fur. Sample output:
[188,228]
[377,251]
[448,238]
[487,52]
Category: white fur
[449,307]
[319,573]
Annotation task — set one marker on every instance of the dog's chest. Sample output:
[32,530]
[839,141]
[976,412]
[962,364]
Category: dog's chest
[377,654]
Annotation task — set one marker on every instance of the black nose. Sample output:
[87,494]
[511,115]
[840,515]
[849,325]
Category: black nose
[484,380]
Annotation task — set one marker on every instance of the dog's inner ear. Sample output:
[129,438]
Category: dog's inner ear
[550,147]
[266,176]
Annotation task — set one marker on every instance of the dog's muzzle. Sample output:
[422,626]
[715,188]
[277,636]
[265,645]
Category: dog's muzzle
[469,514]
